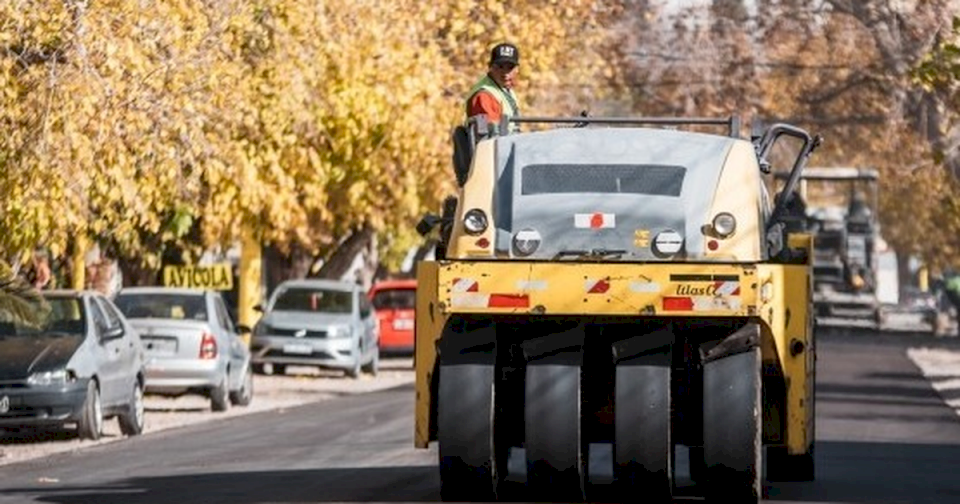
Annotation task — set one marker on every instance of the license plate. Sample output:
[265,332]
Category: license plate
[160,346]
[4,404]
[403,324]
[298,349]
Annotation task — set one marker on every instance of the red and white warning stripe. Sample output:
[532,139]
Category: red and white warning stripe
[595,220]
[715,303]
[701,303]
[596,285]
[482,300]
[464,285]
[727,288]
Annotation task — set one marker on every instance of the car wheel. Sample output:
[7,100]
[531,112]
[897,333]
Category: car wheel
[354,372]
[243,396]
[258,368]
[219,396]
[131,421]
[934,320]
[90,425]
[278,369]
[373,366]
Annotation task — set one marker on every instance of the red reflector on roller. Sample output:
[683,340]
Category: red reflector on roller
[509,301]
[677,304]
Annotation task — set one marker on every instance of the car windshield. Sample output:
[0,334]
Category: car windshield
[306,299]
[66,316]
[166,306]
[395,299]
[655,180]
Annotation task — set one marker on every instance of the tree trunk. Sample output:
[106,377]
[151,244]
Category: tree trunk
[135,274]
[362,242]
[279,266]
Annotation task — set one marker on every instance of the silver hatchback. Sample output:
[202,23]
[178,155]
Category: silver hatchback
[191,343]
[323,323]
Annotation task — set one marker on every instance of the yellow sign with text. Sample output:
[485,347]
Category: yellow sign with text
[212,276]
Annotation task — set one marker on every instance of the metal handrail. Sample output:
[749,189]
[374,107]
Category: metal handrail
[732,122]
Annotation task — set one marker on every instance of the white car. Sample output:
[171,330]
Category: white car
[191,344]
[324,323]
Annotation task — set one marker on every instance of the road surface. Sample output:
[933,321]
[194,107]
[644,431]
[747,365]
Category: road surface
[883,436]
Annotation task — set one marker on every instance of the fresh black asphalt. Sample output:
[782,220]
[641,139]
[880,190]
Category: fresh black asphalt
[883,436]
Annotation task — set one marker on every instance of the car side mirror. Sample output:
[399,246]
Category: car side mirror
[112,334]
[243,329]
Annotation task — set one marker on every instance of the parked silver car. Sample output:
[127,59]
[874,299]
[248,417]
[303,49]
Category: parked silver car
[323,323]
[82,365]
[191,343]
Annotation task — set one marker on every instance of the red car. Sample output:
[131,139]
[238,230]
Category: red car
[394,301]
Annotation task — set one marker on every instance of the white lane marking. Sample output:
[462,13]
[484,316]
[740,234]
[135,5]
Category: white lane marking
[941,367]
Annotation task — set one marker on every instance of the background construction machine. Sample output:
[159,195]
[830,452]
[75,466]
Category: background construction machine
[621,290]
[839,208]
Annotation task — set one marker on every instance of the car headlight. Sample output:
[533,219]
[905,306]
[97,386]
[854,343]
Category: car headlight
[48,378]
[724,224]
[339,332]
[475,221]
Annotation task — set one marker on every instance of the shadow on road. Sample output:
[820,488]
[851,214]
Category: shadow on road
[878,472]
[850,473]
[30,435]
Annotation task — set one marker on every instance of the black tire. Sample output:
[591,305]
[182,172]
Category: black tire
[732,428]
[373,367]
[243,396]
[258,369]
[278,369]
[220,395]
[643,451]
[698,468]
[90,425]
[553,429]
[354,372]
[465,419]
[132,419]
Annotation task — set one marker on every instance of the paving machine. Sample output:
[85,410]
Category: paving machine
[617,285]
[840,210]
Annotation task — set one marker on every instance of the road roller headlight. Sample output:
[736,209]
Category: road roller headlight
[667,242]
[724,224]
[475,221]
[526,242]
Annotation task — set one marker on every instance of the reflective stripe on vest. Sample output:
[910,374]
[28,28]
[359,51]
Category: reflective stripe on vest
[508,101]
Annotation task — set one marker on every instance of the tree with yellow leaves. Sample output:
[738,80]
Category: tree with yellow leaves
[148,123]
[841,68]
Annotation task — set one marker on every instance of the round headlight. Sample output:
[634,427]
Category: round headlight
[724,224]
[667,242]
[526,242]
[475,221]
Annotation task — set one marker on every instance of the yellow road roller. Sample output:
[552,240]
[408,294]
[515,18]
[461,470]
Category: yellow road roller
[627,283]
